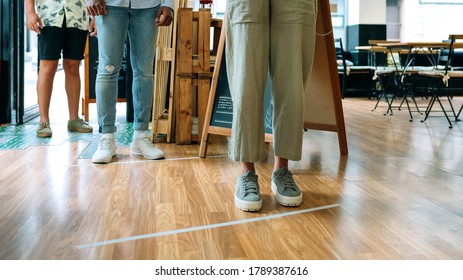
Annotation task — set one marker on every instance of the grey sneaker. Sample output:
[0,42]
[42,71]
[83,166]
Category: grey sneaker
[247,192]
[143,147]
[44,129]
[286,191]
[78,125]
[106,150]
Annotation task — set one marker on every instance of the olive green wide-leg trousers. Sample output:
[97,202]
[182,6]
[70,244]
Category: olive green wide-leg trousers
[276,36]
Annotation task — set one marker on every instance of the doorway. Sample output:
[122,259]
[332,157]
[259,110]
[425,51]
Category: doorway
[18,72]
[31,66]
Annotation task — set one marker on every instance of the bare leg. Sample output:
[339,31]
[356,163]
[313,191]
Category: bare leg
[247,166]
[72,85]
[45,87]
[279,163]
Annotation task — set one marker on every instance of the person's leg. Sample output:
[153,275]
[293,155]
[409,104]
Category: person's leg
[292,41]
[280,163]
[112,33]
[72,85]
[45,87]
[73,53]
[142,35]
[247,50]
[50,42]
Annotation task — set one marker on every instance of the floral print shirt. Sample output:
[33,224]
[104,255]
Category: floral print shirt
[53,12]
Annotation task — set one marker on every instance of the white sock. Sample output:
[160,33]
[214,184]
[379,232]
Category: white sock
[139,134]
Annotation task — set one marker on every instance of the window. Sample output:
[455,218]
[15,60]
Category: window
[337,12]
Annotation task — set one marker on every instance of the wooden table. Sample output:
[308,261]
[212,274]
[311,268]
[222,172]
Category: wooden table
[412,48]
[372,50]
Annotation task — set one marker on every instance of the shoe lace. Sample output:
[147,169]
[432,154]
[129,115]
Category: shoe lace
[145,142]
[250,184]
[286,177]
[44,125]
[79,122]
[105,144]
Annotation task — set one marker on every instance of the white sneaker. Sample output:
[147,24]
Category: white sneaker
[106,150]
[142,146]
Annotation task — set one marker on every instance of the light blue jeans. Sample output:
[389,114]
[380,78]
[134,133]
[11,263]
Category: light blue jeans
[113,28]
[268,34]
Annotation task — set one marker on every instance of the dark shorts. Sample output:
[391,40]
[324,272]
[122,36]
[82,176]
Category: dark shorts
[54,40]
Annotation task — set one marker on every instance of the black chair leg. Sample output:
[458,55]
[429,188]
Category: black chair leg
[459,112]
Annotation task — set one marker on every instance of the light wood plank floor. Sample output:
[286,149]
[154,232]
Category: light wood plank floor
[397,195]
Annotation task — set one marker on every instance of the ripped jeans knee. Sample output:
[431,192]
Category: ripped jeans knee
[108,72]
[110,68]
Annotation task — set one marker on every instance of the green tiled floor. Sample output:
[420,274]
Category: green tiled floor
[22,136]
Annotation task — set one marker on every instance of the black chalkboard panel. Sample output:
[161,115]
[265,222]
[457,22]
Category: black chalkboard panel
[93,69]
[222,112]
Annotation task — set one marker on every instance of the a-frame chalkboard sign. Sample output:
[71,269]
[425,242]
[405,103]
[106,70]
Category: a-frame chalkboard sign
[323,104]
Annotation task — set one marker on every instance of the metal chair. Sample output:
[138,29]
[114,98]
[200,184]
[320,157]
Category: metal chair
[347,69]
[397,82]
[439,81]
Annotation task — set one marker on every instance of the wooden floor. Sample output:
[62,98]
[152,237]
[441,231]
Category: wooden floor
[397,195]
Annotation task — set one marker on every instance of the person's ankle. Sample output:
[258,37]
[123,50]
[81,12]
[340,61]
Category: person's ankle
[275,168]
[139,133]
[247,166]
